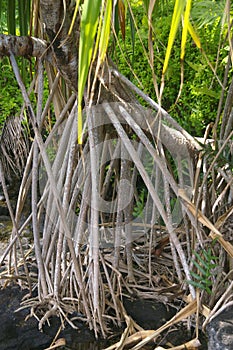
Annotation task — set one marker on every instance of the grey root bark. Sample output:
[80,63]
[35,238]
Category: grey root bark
[61,51]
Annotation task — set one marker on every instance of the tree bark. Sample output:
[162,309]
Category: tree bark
[24,46]
[57,16]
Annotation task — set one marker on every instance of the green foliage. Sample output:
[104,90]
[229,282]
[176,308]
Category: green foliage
[207,12]
[11,100]
[222,160]
[140,204]
[51,152]
[11,17]
[205,264]
[198,103]
[15,20]
[10,95]
[15,16]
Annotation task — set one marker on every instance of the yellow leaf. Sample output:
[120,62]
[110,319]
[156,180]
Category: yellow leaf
[105,31]
[176,17]
[185,28]
[89,22]
[74,17]
[194,35]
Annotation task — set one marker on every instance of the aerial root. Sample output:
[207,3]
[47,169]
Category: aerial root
[48,314]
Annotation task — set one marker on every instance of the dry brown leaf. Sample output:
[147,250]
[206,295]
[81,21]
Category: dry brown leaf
[121,17]
[59,342]
[226,245]
[215,233]
[190,345]
[187,311]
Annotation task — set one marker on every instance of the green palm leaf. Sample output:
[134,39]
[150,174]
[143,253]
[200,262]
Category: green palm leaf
[185,28]
[89,22]
[105,31]
[178,11]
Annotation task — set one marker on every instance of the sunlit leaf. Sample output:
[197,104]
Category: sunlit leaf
[105,31]
[178,10]
[74,16]
[185,28]
[194,35]
[89,22]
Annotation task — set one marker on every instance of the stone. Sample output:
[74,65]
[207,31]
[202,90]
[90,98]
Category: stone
[16,333]
[220,330]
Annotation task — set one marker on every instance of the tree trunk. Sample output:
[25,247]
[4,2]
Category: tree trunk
[56,16]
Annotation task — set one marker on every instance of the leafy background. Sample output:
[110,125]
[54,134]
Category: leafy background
[198,103]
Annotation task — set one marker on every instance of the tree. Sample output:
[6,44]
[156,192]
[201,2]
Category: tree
[129,174]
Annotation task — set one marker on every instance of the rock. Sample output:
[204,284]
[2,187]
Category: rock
[151,314]
[4,212]
[16,333]
[148,314]
[5,231]
[220,330]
